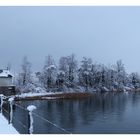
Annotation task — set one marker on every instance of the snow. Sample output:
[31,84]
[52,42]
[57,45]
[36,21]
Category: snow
[61,72]
[31,108]
[11,99]
[24,95]
[5,127]
[105,89]
[39,90]
[50,98]
[1,95]
[86,72]
[51,67]
[5,73]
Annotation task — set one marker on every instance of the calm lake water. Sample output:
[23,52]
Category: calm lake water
[101,114]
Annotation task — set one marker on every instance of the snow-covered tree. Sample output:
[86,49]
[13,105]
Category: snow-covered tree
[121,75]
[135,79]
[62,74]
[25,75]
[110,78]
[85,72]
[97,75]
[67,74]
[72,70]
[24,79]
[48,76]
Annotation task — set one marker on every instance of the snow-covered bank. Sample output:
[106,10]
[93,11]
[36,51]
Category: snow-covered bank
[5,127]
[24,95]
[72,93]
[56,95]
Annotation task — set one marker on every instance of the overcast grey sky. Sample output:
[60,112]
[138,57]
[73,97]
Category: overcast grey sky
[105,34]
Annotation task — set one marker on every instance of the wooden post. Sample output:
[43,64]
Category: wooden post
[8,113]
[11,109]
[1,102]
[28,123]
[30,109]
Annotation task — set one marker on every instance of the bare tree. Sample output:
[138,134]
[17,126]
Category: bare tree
[25,75]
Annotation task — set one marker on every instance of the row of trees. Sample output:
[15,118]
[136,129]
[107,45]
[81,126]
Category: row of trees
[68,75]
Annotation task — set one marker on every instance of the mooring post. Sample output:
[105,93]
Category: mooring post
[1,102]
[11,109]
[30,109]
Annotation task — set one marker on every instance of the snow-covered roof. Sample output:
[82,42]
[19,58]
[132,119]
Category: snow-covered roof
[5,73]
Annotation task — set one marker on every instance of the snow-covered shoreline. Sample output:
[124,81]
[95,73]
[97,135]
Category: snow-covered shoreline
[24,95]
[58,95]
[50,95]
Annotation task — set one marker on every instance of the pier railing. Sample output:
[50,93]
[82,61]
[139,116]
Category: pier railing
[25,118]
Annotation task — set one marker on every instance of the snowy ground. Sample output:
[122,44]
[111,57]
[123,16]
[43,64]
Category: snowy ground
[24,95]
[6,128]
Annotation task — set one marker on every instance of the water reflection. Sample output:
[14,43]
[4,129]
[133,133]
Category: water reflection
[102,113]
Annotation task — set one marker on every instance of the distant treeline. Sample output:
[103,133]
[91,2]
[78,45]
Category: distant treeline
[70,76]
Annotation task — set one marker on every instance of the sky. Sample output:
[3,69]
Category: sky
[105,34]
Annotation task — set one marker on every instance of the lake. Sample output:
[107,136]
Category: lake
[109,113]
